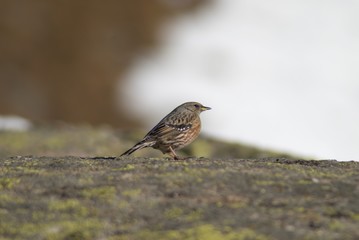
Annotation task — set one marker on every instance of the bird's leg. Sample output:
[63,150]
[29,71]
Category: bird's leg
[173,154]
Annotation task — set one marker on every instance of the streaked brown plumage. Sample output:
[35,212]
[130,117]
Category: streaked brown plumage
[178,129]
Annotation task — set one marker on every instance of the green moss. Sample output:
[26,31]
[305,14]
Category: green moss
[78,229]
[265,183]
[6,197]
[207,231]
[336,225]
[133,193]
[86,180]
[85,229]
[127,167]
[173,213]
[106,194]
[55,142]
[305,182]
[184,215]
[194,215]
[201,148]
[8,183]
[30,171]
[72,206]
[14,140]
[355,217]
[123,204]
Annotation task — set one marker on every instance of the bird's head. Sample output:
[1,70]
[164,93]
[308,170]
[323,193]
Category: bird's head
[195,107]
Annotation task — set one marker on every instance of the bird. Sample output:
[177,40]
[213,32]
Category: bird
[175,131]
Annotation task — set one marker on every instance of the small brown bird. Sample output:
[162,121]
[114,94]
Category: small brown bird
[178,129]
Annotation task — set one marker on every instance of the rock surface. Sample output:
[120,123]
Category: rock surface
[49,195]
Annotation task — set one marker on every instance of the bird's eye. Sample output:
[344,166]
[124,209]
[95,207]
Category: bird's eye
[196,105]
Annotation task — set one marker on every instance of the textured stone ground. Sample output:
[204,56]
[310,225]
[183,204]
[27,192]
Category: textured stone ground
[54,196]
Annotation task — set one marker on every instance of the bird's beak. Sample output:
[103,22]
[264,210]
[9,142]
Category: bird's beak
[203,108]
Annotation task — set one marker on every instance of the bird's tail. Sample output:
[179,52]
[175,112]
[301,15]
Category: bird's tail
[140,145]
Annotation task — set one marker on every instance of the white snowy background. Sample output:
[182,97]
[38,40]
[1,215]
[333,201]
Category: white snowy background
[278,74]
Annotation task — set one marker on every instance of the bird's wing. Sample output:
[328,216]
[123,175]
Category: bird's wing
[169,125]
[180,127]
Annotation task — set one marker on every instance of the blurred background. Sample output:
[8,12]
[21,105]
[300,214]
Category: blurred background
[280,75]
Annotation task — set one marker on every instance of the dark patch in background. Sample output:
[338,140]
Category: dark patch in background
[62,60]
